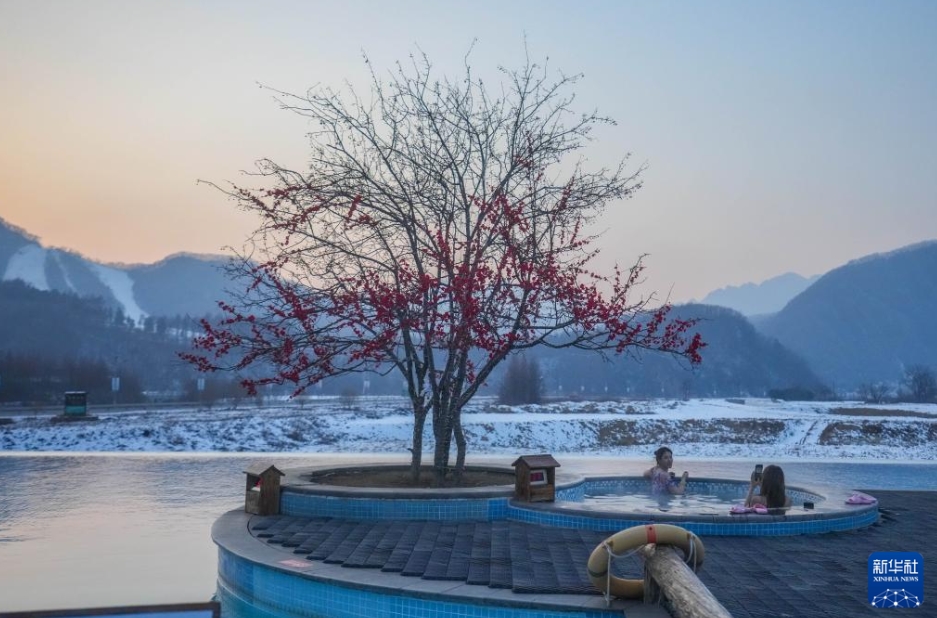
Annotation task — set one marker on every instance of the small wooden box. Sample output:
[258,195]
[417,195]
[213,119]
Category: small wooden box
[535,478]
[263,490]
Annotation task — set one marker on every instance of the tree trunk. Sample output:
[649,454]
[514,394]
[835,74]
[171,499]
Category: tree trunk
[442,428]
[416,451]
[460,447]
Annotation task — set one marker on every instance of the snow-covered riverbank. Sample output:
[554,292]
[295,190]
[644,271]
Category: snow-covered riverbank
[695,428]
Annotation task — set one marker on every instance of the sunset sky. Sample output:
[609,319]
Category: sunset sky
[778,137]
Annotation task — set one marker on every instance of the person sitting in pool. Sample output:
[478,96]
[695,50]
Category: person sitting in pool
[662,480]
[773,493]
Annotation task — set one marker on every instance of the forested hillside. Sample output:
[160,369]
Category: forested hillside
[737,361]
[180,285]
[867,321]
[51,342]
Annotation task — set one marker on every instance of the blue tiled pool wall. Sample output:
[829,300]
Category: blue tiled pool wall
[798,497]
[735,525]
[310,505]
[233,606]
[572,493]
[249,590]
[303,504]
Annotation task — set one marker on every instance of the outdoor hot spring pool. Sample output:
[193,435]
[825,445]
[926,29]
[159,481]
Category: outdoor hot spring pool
[616,503]
[703,496]
[608,503]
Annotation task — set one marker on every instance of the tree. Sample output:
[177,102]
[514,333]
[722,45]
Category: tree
[921,383]
[439,227]
[874,392]
[521,382]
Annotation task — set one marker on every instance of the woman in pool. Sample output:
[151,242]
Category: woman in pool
[662,480]
[773,493]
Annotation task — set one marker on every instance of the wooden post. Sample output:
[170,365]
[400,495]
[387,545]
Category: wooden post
[687,595]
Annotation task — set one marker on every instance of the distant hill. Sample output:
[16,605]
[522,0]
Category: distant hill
[863,322]
[47,326]
[737,361]
[182,284]
[12,239]
[178,285]
[866,321]
[760,298]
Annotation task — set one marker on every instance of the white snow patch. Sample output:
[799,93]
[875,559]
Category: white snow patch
[121,285]
[29,265]
[57,256]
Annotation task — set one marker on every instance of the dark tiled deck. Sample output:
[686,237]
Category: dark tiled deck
[822,575]
[811,575]
[525,558]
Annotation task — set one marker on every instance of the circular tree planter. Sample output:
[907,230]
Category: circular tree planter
[399,477]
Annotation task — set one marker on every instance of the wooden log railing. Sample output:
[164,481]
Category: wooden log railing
[666,573]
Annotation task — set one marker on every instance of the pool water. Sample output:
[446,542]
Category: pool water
[708,502]
[709,497]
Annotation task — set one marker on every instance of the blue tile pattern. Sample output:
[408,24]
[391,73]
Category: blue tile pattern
[734,525]
[249,590]
[565,514]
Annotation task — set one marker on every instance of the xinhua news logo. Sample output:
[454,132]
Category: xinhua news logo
[896,579]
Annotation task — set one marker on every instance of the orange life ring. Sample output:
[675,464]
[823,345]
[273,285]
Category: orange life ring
[632,538]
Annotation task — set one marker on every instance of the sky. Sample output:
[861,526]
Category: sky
[781,137]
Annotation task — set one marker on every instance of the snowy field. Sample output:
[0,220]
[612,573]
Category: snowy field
[717,428]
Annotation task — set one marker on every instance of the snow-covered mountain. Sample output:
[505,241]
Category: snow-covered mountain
[178,285]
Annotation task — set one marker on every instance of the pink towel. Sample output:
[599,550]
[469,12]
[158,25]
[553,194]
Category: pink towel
[860,498]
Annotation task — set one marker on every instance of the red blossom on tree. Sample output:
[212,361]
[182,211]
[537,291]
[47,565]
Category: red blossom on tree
[432,236]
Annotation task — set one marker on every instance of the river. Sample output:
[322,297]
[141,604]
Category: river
[96,530]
